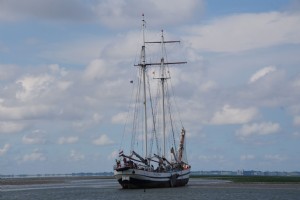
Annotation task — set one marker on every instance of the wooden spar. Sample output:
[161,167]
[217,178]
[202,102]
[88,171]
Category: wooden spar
[181,145]
[166,63]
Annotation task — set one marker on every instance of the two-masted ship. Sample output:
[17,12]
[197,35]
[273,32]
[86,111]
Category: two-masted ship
[168,166]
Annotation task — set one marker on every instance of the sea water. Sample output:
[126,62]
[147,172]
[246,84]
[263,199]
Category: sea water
[109,189]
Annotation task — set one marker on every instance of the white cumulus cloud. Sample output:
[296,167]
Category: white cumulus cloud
[264,128]
[5,148]
[23,112]
[211,158]
[96,69]
[68,10]
[103,140]
[118,13]
[76,156]
[230,115]
[67,140]
[36,137]
[207,86]
[113,155]
[33,86]
[247,157]
[261,73]
[36,155]
[120,118]
[7,71]
[11,127]
[297,120]
[275,157]
[246,31]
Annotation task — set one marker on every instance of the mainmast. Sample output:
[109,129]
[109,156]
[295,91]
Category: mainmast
[163,78]
[143,66]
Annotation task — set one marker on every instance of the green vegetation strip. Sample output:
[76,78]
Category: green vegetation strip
[254,179]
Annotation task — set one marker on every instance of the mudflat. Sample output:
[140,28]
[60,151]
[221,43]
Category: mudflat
[46,180]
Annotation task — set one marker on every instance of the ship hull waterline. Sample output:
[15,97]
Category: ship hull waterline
[135,178]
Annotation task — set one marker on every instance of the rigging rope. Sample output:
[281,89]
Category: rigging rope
[128,116]
[158,123]
[153,121]
[136,112]
[171,119]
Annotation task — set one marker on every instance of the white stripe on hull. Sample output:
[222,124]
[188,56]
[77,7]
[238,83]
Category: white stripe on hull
[135,178]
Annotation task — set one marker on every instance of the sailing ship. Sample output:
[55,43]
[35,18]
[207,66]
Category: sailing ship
[163,168]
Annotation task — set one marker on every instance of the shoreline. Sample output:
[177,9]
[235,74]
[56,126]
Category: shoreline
[258,186]
[220,181]
[47,180]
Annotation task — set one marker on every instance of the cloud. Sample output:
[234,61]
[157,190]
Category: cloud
[120,118]
[64,85]
[67,10]
[264,128]
[11,127]
[124,47]
[68,140]
[7,71]
[297,120]
[113,155]
[261,73]
[111,13]
[23,112]
[247,157]
[207,86]
[56,69]
[120,13]
[4,150]
[36,137]
[296,134]
[93,119]
[36,155]
[76,156]
[245,31]
[103,140]
[78,52]
[33,86]
[269,88]
[44,94]
[275,157]
[230,115]
[211,158]
[97,69]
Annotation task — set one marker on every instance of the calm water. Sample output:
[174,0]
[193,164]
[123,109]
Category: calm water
[109,189]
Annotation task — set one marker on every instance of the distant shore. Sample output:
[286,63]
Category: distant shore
[254,179]
[47,180]
[229,181]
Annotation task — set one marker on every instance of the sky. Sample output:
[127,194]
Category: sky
[66,66]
